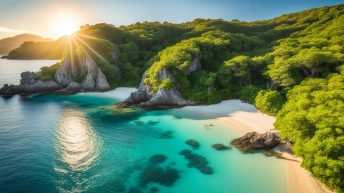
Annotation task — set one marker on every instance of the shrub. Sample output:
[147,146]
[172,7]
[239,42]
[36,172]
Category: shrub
[269,101]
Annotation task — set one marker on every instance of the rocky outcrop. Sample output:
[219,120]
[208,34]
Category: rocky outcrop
[93,79]
[28,85]
[254,140]
[163,98]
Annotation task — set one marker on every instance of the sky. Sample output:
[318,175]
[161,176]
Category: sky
[38,16]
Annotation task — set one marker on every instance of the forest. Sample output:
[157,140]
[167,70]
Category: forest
[291,67]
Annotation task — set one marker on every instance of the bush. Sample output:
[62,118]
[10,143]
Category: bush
[248,93]
[269,101]
[48,72]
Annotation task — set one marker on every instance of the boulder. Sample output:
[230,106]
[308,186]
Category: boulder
[254,140]
[163,98]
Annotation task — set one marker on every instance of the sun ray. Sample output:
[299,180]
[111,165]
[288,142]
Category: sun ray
[91,49]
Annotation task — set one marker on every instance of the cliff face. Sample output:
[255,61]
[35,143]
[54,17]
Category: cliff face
[92,78]
[144,96]
[85,75]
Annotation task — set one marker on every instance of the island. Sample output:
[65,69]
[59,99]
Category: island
[290,67]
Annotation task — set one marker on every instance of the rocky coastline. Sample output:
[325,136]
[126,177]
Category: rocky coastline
[64,81]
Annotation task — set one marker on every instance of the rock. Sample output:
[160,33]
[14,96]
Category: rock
[166,135]
[197,161]
[163,98]
[28,78]
[157,159]
[166,177]
[29,85]
[254,140]
[94,80]
[65,76]
[193,143]
[220,147]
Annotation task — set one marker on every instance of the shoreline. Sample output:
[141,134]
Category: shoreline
[244,117]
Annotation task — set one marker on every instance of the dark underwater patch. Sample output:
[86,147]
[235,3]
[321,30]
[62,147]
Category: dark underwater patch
[163,176]
[157,159]
[197,161]
[193,143]
[166,135]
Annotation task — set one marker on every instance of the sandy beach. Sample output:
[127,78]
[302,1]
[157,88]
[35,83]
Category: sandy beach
[245,117]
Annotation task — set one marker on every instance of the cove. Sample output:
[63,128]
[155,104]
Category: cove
[79,143]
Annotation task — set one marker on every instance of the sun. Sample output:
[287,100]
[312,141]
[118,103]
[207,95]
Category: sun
[65,25]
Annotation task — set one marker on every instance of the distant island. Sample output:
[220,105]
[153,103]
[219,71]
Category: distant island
[10,43]
[290,67]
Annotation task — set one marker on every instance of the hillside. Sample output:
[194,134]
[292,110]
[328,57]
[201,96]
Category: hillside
[8,44]
[290,67]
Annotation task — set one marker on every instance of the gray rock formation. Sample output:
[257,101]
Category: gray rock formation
[144,96]
[94,78]
[254,140]
[29,85]
[65,77]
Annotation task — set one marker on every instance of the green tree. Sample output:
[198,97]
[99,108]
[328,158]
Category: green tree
[269,101]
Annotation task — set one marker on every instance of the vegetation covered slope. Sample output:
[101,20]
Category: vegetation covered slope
[289,66]
[8,44]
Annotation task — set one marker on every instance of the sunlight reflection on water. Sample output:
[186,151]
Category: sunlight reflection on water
[78,146]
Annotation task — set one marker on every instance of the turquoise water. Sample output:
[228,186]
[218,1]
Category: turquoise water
[79,143]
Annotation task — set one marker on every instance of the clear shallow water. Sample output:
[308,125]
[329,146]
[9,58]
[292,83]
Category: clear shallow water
[10,69]
[78,143]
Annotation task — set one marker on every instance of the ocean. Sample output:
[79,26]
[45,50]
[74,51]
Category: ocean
[80,143]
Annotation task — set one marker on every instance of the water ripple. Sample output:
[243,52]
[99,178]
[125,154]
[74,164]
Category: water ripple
[78,149]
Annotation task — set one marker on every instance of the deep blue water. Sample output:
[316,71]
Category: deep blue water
[79,143]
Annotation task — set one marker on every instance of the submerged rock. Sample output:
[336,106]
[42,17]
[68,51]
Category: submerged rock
[166,177]
[157,159]
[197,161]
[193,143]
[254,140]
[220,147]
[166,135]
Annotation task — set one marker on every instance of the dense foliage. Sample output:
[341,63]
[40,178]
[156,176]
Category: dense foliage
[313,119]
[269,101]
[289,66]
[48,72]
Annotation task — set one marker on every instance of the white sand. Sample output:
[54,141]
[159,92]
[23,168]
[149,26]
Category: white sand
[120,93]
[245,117]
[241,113]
